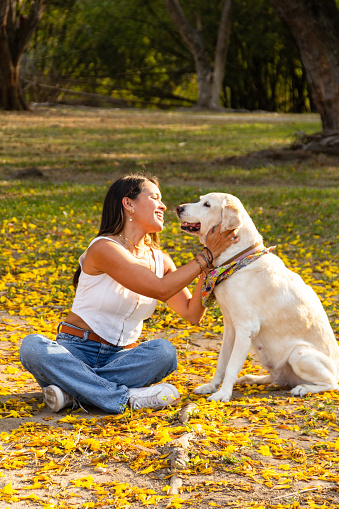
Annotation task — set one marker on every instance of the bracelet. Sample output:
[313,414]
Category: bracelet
[206,259]
[202,276]
[199,262]
[210,254]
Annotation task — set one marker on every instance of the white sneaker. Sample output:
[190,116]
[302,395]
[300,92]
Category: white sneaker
[156,396]
[55,398]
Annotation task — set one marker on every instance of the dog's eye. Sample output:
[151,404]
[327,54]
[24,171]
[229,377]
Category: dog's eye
[206,204]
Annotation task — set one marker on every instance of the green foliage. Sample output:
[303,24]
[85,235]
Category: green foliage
[264,70]
[132,53]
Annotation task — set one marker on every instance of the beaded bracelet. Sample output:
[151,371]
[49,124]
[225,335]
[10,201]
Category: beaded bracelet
[206,259]
[199,262]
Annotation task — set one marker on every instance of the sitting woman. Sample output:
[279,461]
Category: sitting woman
[96,359]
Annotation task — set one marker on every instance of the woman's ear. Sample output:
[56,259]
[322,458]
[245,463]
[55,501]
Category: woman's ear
[230,216]
[126,203]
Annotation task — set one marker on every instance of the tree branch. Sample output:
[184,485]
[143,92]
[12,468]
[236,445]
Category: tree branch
[187,32]
[25,26]
[222,42]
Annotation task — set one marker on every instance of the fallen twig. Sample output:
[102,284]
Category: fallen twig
[145,449]
[314,488]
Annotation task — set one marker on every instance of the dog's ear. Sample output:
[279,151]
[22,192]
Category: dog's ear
[230,216]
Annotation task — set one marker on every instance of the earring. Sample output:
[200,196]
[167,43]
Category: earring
[130,214]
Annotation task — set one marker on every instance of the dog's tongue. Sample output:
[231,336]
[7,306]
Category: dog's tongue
[192,227]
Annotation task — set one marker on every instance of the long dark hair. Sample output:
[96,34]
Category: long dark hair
[112,218]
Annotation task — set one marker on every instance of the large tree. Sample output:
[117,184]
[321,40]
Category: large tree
[315,27]
[18,20]
[210,74]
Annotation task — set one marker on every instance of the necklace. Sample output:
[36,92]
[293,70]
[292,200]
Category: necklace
[133,245]
[144,249]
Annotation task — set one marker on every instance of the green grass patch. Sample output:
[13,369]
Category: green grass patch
[67,142]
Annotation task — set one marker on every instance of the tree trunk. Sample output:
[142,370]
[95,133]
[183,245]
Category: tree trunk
[210,76]
[221,52]
[315,27]
[16,30]
[10,89]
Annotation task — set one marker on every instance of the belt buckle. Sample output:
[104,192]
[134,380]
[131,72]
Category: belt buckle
[60,324]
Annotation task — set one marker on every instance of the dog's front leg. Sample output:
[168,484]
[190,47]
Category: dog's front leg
[224,356]
[242,345]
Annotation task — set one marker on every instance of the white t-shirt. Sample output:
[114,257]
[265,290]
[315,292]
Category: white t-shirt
[112,311]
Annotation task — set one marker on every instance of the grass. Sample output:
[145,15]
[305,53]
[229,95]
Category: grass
[67,143]
[45,226]
[81,150]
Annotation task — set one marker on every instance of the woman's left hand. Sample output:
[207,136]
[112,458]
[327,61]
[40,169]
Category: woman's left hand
[217,241]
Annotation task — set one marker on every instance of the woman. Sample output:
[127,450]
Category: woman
[95,359]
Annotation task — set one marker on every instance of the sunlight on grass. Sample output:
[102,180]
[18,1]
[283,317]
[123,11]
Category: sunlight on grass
[63,141]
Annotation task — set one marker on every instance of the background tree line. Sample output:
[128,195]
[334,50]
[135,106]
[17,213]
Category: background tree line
[132,52]
[165,53]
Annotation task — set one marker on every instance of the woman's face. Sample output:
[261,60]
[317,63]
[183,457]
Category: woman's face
[149,209]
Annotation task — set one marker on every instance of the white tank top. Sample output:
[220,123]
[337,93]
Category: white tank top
[112,311]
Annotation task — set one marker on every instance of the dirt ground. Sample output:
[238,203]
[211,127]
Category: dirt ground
[222,488]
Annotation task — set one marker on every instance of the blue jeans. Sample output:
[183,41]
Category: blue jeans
[93,373]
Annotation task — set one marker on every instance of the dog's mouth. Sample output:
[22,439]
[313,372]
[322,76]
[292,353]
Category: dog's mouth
[190,227]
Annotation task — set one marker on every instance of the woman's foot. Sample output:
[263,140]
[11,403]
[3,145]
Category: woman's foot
[156,396]
[56,399]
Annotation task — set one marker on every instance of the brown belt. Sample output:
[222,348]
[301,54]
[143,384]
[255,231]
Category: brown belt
[68,329]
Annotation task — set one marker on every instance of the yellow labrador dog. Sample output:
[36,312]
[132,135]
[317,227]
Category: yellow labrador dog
[264,305]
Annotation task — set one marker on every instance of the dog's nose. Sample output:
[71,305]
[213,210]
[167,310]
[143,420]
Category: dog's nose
[180,208]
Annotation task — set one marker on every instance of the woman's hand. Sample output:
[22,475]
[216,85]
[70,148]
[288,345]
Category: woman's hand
[217,242]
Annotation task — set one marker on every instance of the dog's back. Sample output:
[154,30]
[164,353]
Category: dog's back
[286,311]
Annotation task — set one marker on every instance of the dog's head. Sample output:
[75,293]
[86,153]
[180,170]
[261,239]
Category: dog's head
[211,210]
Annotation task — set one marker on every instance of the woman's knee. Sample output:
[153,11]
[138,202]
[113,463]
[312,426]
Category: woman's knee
[166,353]
[32,348]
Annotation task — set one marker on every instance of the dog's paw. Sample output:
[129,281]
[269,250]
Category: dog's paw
[205,389]
[300,390]
[220,396]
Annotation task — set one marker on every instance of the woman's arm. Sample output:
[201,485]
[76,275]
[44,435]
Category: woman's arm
[117,262]
[188,306]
